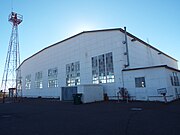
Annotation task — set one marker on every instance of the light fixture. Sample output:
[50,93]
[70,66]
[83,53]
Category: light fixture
[133,40]
[124,42]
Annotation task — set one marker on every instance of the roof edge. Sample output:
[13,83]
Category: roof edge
[68,39]
[158,66]
[112,29]
[143,42]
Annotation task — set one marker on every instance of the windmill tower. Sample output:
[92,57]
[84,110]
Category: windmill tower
[10,80]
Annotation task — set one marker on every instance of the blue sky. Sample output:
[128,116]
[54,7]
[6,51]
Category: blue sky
[46,22]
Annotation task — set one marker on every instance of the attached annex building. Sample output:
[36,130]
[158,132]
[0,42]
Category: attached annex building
[112,58]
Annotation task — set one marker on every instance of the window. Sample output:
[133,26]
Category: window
[109,68]
[19,80]
[52,78]
[38,80]
[95,70]
[140,82]
[102,74]
[53,83]
[28,82]
[102,68]
[19,83]
[73,74]
[172,82]
[174,79]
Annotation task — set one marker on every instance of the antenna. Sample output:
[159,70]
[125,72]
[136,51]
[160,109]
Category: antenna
[147,40]
[10,81]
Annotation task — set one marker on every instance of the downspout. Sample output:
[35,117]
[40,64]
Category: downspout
[127,52]
[122,78]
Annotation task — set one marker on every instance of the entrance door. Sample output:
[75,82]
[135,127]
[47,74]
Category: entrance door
[67,93]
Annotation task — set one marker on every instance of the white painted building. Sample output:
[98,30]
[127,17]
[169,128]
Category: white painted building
[101,57]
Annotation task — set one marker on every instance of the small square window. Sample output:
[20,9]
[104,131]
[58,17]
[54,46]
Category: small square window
[140,82]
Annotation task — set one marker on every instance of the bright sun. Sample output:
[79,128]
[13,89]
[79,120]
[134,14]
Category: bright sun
[83,27]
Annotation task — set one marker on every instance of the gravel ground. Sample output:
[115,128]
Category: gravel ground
[52,117]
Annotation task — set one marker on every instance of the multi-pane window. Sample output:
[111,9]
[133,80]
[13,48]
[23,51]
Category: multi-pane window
[109,68]
[73,74]
[53,78]
[19,83]
[140,82]
[95,73]
[19,80]
[102,68]
[175,79]
[102,74]
[38,80]
[28,82]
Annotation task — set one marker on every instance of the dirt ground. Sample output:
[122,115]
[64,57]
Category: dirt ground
[52,117]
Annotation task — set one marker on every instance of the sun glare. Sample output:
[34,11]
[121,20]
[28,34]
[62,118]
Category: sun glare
[82,27]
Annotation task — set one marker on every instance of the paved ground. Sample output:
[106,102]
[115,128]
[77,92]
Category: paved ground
[44,117]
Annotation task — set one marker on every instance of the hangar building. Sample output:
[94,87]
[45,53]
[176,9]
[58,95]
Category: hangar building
[112,58]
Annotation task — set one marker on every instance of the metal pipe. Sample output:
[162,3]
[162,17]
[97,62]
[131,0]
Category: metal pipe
[127,51]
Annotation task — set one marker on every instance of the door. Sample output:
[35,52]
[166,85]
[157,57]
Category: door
[67,93]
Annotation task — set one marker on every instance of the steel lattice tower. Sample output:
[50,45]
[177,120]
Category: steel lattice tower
[10,79]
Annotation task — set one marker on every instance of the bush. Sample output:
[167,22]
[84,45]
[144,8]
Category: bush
[124,93]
